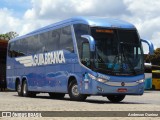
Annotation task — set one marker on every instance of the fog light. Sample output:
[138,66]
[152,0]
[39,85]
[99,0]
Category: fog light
[99,89]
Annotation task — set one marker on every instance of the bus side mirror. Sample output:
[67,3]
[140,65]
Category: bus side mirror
[91,42]
[150,44]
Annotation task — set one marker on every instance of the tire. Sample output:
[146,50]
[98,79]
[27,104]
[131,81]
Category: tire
[57,95]
[25,91]
[19,89]
[74,93]
[115,98]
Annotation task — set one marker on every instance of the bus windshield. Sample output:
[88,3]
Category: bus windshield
[118,52]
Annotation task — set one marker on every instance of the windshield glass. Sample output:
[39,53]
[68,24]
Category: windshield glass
[117,51]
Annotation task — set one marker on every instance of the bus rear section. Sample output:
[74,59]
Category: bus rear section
[3,51]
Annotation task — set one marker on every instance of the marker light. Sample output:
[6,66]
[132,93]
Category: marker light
[140,81]
[92,76]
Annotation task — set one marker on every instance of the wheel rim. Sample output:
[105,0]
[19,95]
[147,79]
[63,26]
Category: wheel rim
[24,89]
[75,91]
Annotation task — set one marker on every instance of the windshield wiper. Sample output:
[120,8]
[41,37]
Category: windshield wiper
[101,70]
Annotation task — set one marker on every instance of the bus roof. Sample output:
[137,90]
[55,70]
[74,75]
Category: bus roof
[91,21]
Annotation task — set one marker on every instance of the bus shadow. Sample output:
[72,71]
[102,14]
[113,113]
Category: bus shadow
[93,101]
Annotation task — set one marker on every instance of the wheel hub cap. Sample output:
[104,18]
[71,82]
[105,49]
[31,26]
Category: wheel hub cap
[75,91]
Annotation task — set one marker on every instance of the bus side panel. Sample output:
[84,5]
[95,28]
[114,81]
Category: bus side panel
[57,75]
[10,73]
[40,72]
[62,78]
[31,77]
[31,74]
[51,73]
[89,88]
[65,69]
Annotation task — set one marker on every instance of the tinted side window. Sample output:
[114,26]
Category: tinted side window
[34,45]
[80,29]
[53,40]
[86,54]
[17,48]
[14,49]
[43,40]
[10,49]
[66,41]
[23,44]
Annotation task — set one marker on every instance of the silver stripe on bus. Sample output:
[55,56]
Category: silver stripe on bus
[26,61]
[120,83]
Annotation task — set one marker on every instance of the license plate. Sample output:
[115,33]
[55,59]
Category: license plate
[122,90]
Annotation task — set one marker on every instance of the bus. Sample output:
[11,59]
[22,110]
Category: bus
[80,56]
[3,52]
[148,76]
[156,77]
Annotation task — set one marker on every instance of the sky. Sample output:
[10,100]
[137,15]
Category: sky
[23,16]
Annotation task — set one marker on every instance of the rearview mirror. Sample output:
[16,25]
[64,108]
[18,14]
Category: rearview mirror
[91,42]
[150,45]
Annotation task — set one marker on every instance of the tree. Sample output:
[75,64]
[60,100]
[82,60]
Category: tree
[155,58]
[12,35]
[8,36]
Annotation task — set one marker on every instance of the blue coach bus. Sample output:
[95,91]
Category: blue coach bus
[81,56]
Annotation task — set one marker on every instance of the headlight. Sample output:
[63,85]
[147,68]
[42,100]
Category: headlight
[98,79]
[101,80]
[141,81]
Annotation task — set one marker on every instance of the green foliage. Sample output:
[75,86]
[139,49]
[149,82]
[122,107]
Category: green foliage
[155,58]
[9,35]
[4,35]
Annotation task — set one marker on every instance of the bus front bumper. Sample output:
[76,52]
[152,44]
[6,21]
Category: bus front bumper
[102,88]
[130,88]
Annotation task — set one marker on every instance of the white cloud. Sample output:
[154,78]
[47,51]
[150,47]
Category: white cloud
[7,21]
[145,9]
[51,9]
[45,12]
[145,16]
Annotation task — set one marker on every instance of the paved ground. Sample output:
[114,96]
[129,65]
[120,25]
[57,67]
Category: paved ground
[150,101]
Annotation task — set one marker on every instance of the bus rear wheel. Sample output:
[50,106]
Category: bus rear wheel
[115,98]
[19,89]
[25,91]
[74,93]
[57,95]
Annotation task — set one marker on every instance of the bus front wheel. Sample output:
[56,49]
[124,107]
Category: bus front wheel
[74,93]
[115,98]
